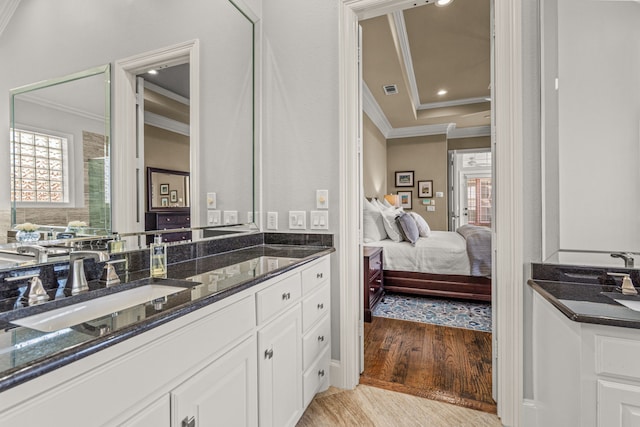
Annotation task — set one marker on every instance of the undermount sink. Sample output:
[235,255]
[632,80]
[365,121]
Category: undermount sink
[633,305]
[65,317]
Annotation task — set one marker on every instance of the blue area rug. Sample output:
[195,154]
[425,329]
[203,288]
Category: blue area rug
[437,311]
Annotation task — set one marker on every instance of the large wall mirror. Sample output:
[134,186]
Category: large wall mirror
[60,135]
[591,130]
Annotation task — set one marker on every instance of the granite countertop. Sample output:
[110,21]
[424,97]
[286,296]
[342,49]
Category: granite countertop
[27,353]
[585,294]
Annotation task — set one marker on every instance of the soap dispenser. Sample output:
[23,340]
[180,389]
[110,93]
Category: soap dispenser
[117,244]
[158,259]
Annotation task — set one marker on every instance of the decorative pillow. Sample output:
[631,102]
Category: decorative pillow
[386,203]
[423,226]
[408,228]
[377,203]
[373,228]
[390,225]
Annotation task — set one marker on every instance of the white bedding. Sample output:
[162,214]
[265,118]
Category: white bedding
[443,252]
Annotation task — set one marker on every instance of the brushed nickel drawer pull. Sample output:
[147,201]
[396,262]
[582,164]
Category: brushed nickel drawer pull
[268,354]
[321,373]
[189,422]
[320,306]
[319,276]
[321,338]
[286,296]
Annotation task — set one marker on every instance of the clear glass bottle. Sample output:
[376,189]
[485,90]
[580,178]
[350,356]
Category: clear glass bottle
[158,260]
[117,244]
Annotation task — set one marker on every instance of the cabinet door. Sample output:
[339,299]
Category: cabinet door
[280,370]
[618,404]
[222,394]
[154,415]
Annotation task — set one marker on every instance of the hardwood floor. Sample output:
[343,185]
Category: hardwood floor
[374,407]
[452,365]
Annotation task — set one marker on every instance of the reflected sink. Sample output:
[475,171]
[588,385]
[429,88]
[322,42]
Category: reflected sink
[633,305]
[65,317]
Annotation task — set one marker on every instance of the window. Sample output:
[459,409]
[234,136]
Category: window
[479,201]
[39,167]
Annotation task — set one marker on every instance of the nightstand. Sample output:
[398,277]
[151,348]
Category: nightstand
[373,284]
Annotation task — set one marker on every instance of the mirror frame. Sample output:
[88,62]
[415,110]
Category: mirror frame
[150,208]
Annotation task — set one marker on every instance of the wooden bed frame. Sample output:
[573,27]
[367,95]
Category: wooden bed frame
[441,285]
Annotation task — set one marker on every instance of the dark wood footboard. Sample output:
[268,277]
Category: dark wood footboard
[440,285]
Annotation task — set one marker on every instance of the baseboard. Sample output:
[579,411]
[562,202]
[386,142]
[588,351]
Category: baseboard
[529,413]
[337,376]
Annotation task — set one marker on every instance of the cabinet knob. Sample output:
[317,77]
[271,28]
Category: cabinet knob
[372,289]
[321,373]
[286,296]
[321,338]
[189,422]
[268,354]
[320,306]
[319,276]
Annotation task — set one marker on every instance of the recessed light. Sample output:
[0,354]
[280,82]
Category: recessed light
[153,72]
[442,92]
[441,3]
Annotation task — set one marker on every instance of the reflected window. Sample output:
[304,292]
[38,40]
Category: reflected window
[39,168]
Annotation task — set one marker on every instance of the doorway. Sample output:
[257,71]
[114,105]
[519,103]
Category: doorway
[471,189]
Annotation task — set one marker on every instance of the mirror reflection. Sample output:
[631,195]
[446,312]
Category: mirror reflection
[60,154]
[167,190]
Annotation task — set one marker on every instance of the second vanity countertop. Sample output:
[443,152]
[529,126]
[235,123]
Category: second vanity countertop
[580,294]
[26,353]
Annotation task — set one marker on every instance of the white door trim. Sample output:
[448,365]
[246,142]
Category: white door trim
[509,280]
[128,208]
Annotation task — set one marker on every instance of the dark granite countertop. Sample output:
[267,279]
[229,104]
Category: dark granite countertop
[27,353]
[580,293]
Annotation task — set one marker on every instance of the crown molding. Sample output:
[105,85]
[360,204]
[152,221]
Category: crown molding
[424,130]
[166,93]
[7,9]
[60,107]
[372,109]
[470,132]
[405,50]
[453,103]
[166,123]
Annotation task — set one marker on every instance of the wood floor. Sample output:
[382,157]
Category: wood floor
[451,365]
[374,407]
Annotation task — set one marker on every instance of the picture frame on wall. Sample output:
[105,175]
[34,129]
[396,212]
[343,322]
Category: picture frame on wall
[425,189]
[164,189]
[404,179]
[405,199]
[174,196]
[164,202]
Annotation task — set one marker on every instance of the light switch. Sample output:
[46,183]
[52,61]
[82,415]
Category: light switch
[439,194]
[322,199]
[272,220]
[319,220]
[431,208]
[212,200]
[297,220]
[230,217]
[213,218]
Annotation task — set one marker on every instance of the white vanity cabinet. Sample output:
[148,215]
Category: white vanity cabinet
[237,362]
[585,375]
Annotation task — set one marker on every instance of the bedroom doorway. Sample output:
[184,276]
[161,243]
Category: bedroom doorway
[471,190]
[477,110]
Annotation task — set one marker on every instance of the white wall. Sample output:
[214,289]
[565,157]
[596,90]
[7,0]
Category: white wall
[47,39]
[300,115]
[599,124]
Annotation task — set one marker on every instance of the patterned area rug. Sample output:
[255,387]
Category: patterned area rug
[437,311]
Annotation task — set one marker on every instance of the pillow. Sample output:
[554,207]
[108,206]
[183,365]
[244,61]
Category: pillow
[373,228]
[386,203]
[423,226]
[378,204]
[390,225]
[408,228]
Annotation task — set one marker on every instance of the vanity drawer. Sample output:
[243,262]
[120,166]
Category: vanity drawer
[278,297]
[315,305]
[617,356]
[316,274]
[316,377]
[316,341]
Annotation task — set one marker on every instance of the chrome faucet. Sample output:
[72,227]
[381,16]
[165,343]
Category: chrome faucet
[40,252]
[35,290]
[77,280]
[627,257]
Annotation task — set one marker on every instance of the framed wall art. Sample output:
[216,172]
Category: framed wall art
[425,188]
[405,199]
[404,179]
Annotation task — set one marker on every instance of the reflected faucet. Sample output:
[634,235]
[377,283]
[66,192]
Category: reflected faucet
[40,252]
[627,257]
[77,280]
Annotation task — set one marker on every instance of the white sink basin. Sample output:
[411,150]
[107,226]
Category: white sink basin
[75,314]
[632,304]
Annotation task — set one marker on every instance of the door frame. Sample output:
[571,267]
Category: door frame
[508,236]
[128,214]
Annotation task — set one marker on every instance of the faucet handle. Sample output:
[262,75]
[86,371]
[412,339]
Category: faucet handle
[36,292]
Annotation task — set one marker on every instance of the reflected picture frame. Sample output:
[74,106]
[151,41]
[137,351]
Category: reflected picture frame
[164,189]
[164,202]
[404,179]
[173,196]
[425,189]
[405,198]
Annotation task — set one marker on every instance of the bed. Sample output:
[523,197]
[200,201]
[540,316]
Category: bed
[445,264]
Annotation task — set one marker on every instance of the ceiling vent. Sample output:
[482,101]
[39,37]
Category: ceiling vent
[390,89]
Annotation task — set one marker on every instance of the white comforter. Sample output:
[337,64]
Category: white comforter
[443,252]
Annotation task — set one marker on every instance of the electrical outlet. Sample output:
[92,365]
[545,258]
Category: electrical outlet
[297,220]
[272,220]
[319,220]
[213,218]
[230,217]
[212,200]
[431,208]
[250,217]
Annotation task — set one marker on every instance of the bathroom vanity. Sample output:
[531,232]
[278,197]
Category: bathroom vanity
[586,348]
[237,338]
